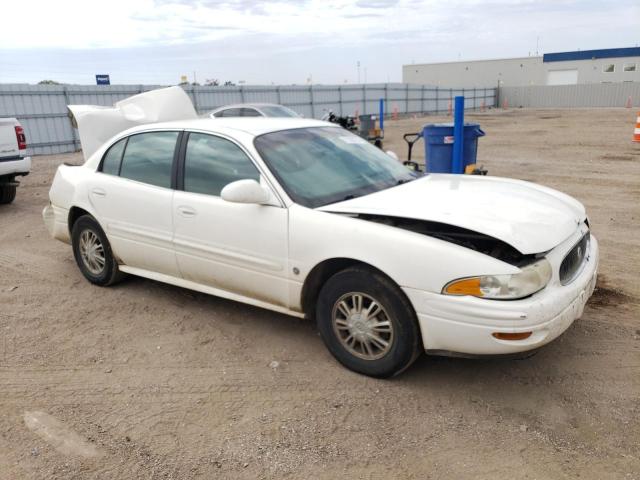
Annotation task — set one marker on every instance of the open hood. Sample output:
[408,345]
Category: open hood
[529,217]
[98,124]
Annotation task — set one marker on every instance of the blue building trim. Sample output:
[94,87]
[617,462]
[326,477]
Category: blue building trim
[591,54]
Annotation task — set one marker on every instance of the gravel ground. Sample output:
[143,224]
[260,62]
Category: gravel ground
[144,380]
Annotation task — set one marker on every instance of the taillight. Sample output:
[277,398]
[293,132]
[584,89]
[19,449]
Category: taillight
[22,140]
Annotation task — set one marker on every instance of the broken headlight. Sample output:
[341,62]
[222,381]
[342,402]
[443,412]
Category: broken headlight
[529,280]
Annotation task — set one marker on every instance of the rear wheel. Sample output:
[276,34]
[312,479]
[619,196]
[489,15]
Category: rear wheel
[92,252]
[7,194]
[367,322]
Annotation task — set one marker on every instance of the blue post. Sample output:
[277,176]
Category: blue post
[382,114]
[458,135]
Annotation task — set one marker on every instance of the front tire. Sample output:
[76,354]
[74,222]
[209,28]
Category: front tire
[7,194]
[92,252]
[367,322]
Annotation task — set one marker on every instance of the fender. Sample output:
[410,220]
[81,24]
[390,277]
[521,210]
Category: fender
[410,259]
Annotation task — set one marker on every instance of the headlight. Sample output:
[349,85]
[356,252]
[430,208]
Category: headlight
[532,278]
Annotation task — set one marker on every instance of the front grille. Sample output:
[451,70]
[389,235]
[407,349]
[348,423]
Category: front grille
[575,260]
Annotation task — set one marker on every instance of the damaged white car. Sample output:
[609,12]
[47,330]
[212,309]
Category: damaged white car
[304,218]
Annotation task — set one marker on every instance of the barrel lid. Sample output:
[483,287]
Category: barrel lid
[448,125]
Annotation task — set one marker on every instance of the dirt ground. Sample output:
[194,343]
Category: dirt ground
[144,380]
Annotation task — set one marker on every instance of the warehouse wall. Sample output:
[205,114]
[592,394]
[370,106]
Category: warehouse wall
[572,96]
[42,109]
[593,71]
[518,72]
[511,71]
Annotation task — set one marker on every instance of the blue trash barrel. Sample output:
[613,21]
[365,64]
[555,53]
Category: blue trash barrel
[438,146]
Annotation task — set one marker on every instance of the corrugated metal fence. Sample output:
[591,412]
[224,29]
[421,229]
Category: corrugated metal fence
[42,108]
[572,96]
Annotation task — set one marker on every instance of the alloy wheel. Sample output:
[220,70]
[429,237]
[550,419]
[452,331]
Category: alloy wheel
[362,326]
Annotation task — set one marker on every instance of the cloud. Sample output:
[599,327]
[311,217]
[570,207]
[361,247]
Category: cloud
[254,7]
[363,15]
[137,23]
[377,3]
[153,41]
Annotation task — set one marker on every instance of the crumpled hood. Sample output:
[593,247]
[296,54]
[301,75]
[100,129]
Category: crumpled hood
[529,217]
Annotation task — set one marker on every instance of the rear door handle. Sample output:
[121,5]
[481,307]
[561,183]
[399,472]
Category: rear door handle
[99,192]
[187,211]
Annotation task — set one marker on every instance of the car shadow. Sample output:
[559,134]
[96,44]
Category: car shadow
[493,376]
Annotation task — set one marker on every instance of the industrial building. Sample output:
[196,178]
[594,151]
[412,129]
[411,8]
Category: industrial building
[563,68]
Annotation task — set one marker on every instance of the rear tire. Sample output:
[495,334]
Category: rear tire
[367,322]
[93,253]
[7,194]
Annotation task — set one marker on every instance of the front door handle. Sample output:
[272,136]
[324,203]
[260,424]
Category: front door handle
[99,192]
[187,211]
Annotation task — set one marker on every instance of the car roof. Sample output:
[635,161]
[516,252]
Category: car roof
[252,125]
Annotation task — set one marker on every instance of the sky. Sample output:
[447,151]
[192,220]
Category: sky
[287,41]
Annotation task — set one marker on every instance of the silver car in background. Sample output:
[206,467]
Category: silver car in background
[254,110]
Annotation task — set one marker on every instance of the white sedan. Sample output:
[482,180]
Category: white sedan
[304,218]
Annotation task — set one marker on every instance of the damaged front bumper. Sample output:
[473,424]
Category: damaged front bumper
[465,325]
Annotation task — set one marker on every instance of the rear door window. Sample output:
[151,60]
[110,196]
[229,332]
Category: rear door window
[277,111]
[148,158]
[249,112]
[231,112]
[113,157]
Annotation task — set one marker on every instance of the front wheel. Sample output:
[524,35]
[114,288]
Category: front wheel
[92,252]
[367,322]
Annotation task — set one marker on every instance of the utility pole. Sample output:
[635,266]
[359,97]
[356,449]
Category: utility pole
[358,64]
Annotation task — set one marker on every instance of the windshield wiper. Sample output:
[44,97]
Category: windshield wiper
[403,180]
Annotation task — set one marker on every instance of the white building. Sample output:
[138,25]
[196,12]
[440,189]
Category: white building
[564,68]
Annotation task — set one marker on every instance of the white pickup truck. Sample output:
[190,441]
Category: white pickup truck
[13,160]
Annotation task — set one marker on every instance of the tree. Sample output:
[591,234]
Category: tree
[48,82]
[214,82]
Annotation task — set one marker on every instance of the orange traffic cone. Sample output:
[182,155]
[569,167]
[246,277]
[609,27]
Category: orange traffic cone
[482,106]
[636,132]
[394,116]
[629,103]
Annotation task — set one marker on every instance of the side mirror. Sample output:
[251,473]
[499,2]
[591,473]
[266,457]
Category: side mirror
[245,191]
[393,155]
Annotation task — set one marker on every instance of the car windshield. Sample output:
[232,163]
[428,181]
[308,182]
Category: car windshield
[323,165]
[277,111]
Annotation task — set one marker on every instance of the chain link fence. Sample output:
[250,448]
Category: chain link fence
[42,109]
